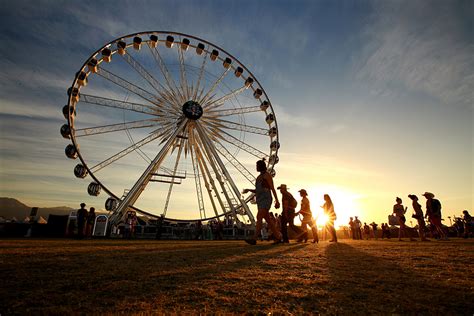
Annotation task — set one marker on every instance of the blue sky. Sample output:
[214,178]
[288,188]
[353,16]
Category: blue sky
[374,99]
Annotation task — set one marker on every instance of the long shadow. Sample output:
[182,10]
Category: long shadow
[365,283]
[130,275]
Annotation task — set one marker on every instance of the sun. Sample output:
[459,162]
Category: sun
[346,203]
[321,219]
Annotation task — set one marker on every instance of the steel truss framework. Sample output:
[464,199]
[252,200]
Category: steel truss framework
[200,107]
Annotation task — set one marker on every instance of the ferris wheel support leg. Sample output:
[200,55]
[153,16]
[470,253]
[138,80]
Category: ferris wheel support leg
[139,186]
[197,180]
[219,179]
[209,145]
[180,150]
[209,183]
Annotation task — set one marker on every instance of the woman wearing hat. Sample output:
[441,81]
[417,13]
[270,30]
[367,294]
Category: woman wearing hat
[288,204]
[418,215]
[263,191]
[307,218]
[433,211]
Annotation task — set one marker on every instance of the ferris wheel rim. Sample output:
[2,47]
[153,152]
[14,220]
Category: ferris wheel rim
[211,45]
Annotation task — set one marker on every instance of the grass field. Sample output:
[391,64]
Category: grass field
[122,276]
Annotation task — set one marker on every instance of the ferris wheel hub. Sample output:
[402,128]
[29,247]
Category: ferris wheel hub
[192,110]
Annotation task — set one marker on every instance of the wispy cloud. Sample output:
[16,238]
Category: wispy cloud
[421,46]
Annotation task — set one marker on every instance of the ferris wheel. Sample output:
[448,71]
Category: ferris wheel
[168,124]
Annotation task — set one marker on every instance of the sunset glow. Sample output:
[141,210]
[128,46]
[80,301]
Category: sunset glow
[366,111]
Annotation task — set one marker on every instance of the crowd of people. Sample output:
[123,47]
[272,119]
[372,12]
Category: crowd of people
[278,225]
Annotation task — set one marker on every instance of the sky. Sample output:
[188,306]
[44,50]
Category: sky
[374,99]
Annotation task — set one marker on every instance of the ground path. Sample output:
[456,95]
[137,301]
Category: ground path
[128,276]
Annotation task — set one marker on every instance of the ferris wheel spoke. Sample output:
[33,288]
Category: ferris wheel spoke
[201,73]
[119,81]
[241,145]
[215,122]
[229,112]
[124,152]
[175,169]
[159,88]
[116,127]
[204,99]
[124,105]
[223,135]
[167,131]
[237,165]
[166,74]
[144,179]
[182,73]
[210,104]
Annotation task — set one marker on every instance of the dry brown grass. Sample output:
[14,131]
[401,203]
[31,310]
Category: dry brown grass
[121,276]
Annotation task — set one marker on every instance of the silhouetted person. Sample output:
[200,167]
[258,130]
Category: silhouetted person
[263,191]
[352,227]
[328,208]
[220,229]
[81,220]
[159,226]
[418,215]
[90,222]
[305,210]
[374,229]
[433,211]
[467,219]
[400,211]
[387,231]
[366,231]
[289,204]
[358,228]
[199,230]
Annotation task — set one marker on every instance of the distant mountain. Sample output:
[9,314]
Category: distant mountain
[10,207]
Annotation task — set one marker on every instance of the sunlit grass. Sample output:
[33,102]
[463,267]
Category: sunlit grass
[123,277]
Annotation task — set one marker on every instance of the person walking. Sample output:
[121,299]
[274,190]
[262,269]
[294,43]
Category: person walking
[288,203]
[81,220]
[90,222]
[328,208]
[399,212]
[352,227]
[305,210]
[374,229]
[433,212]
[358,228]
[418,215]
[263,191]
[366,231]
[467,220]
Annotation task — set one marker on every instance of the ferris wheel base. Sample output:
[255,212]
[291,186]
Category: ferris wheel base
[180,232]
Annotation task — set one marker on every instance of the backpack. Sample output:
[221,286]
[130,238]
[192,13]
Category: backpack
[292,203]
[436,207]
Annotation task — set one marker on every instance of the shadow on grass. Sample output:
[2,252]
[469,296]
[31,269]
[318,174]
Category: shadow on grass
[144,279]
[356,278]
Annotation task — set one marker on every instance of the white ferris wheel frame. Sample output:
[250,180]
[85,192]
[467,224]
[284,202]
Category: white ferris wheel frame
[205,152]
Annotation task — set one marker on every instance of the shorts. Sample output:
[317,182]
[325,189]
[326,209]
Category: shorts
[264,201]
[402,219]
[435,221]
